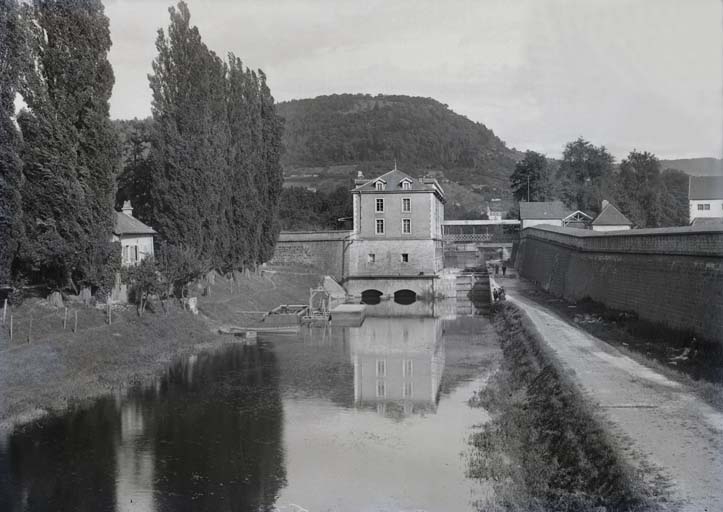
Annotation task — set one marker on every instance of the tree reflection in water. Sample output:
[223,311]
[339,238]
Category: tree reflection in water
[208,436]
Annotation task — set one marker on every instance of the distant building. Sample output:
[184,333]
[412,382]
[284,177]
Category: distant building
[136,238]
[397,228]
[542,212]
[705,197]
[577,219]
[494,210]
[610,219]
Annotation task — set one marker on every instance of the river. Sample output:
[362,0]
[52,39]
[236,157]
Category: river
[362,418]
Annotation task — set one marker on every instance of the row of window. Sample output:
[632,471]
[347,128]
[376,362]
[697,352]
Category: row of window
[705,207]
[406,204]
[372,258]
[407,389]
[406,226]
[407,367]
[406,185]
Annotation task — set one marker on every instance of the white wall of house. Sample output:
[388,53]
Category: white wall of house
[610,228]
[526,223]
[134,248]
[706,208]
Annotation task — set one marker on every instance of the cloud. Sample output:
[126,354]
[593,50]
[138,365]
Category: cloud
[623,73]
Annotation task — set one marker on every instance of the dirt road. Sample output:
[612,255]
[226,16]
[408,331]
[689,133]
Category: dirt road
[671,427]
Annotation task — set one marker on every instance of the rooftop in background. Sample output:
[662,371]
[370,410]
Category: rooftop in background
[705,187]
[543,210]
[127,225]
[611,216]
[393,183]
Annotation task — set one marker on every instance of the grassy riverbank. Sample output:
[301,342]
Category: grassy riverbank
[59,368]
[545,448]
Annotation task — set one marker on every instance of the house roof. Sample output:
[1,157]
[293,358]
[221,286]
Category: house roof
[611,216]
[705,187]
[127,225]
[393,183]
[543,210]
[577,212]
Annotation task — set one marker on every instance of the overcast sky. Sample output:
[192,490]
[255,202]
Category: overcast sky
[643,74]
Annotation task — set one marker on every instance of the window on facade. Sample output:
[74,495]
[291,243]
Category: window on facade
[405,257]
[371,258]
[406,226]
[705,206]
[380,205]
[406,185]
[381,367]
[407,367]
[379,185]
[407,390]
[381,389]
[380,226]
[406,204]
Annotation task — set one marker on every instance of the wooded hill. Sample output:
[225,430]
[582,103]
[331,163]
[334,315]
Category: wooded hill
[372,131]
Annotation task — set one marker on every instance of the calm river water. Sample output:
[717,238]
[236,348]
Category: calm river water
[365,418]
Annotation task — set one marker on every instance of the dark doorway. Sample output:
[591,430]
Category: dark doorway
[371,297]
[405,297]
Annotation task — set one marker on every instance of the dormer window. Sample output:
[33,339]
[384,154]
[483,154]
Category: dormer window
[406,184]
[379,185]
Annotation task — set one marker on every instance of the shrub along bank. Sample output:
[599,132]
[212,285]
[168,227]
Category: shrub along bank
[545,448]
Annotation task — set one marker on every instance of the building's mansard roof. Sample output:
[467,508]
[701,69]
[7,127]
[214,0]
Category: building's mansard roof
[543,210]
[127,225]
[701,188]
[393,183]
[611,216]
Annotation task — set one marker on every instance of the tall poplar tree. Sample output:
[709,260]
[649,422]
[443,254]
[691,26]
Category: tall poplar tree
[12,58]
[188,145]
[215,147]
[70,148]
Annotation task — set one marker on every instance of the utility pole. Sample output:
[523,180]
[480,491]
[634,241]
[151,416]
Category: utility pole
[528,188]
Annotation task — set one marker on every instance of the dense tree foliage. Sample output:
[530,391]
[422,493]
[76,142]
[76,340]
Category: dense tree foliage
[215,177]
[584,177]
[13,58]
[302,209]
[134,180]
[420,133]
[70,154]
[530,180]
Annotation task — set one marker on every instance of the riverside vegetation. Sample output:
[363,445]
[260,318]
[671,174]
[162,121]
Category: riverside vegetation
[545,448]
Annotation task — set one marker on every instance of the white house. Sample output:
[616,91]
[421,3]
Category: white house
[136,238]
[705,197]
[542,212]
[610,219]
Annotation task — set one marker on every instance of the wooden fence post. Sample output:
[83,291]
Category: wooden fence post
[11,327]
[75,326]
[5,310]
[30,329]
[110,319]
[65,318]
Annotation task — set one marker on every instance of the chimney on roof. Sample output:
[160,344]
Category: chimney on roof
[604,204]
[359,175]
[127,208]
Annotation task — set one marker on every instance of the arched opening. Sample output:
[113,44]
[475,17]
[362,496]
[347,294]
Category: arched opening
[405,297]
[371,297]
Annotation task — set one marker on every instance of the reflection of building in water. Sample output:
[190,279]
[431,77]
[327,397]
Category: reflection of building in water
[135,463]
[398,364]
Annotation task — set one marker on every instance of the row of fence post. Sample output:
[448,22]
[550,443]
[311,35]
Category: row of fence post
[11,319]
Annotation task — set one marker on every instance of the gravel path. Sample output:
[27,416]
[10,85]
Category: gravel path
[671,427]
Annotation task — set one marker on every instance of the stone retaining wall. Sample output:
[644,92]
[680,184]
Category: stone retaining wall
[670,276]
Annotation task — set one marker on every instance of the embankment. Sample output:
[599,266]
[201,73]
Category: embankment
[668,276]
[544,448]
[59,368]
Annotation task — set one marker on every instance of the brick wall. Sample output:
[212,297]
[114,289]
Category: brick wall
[321,249]
[671,276]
